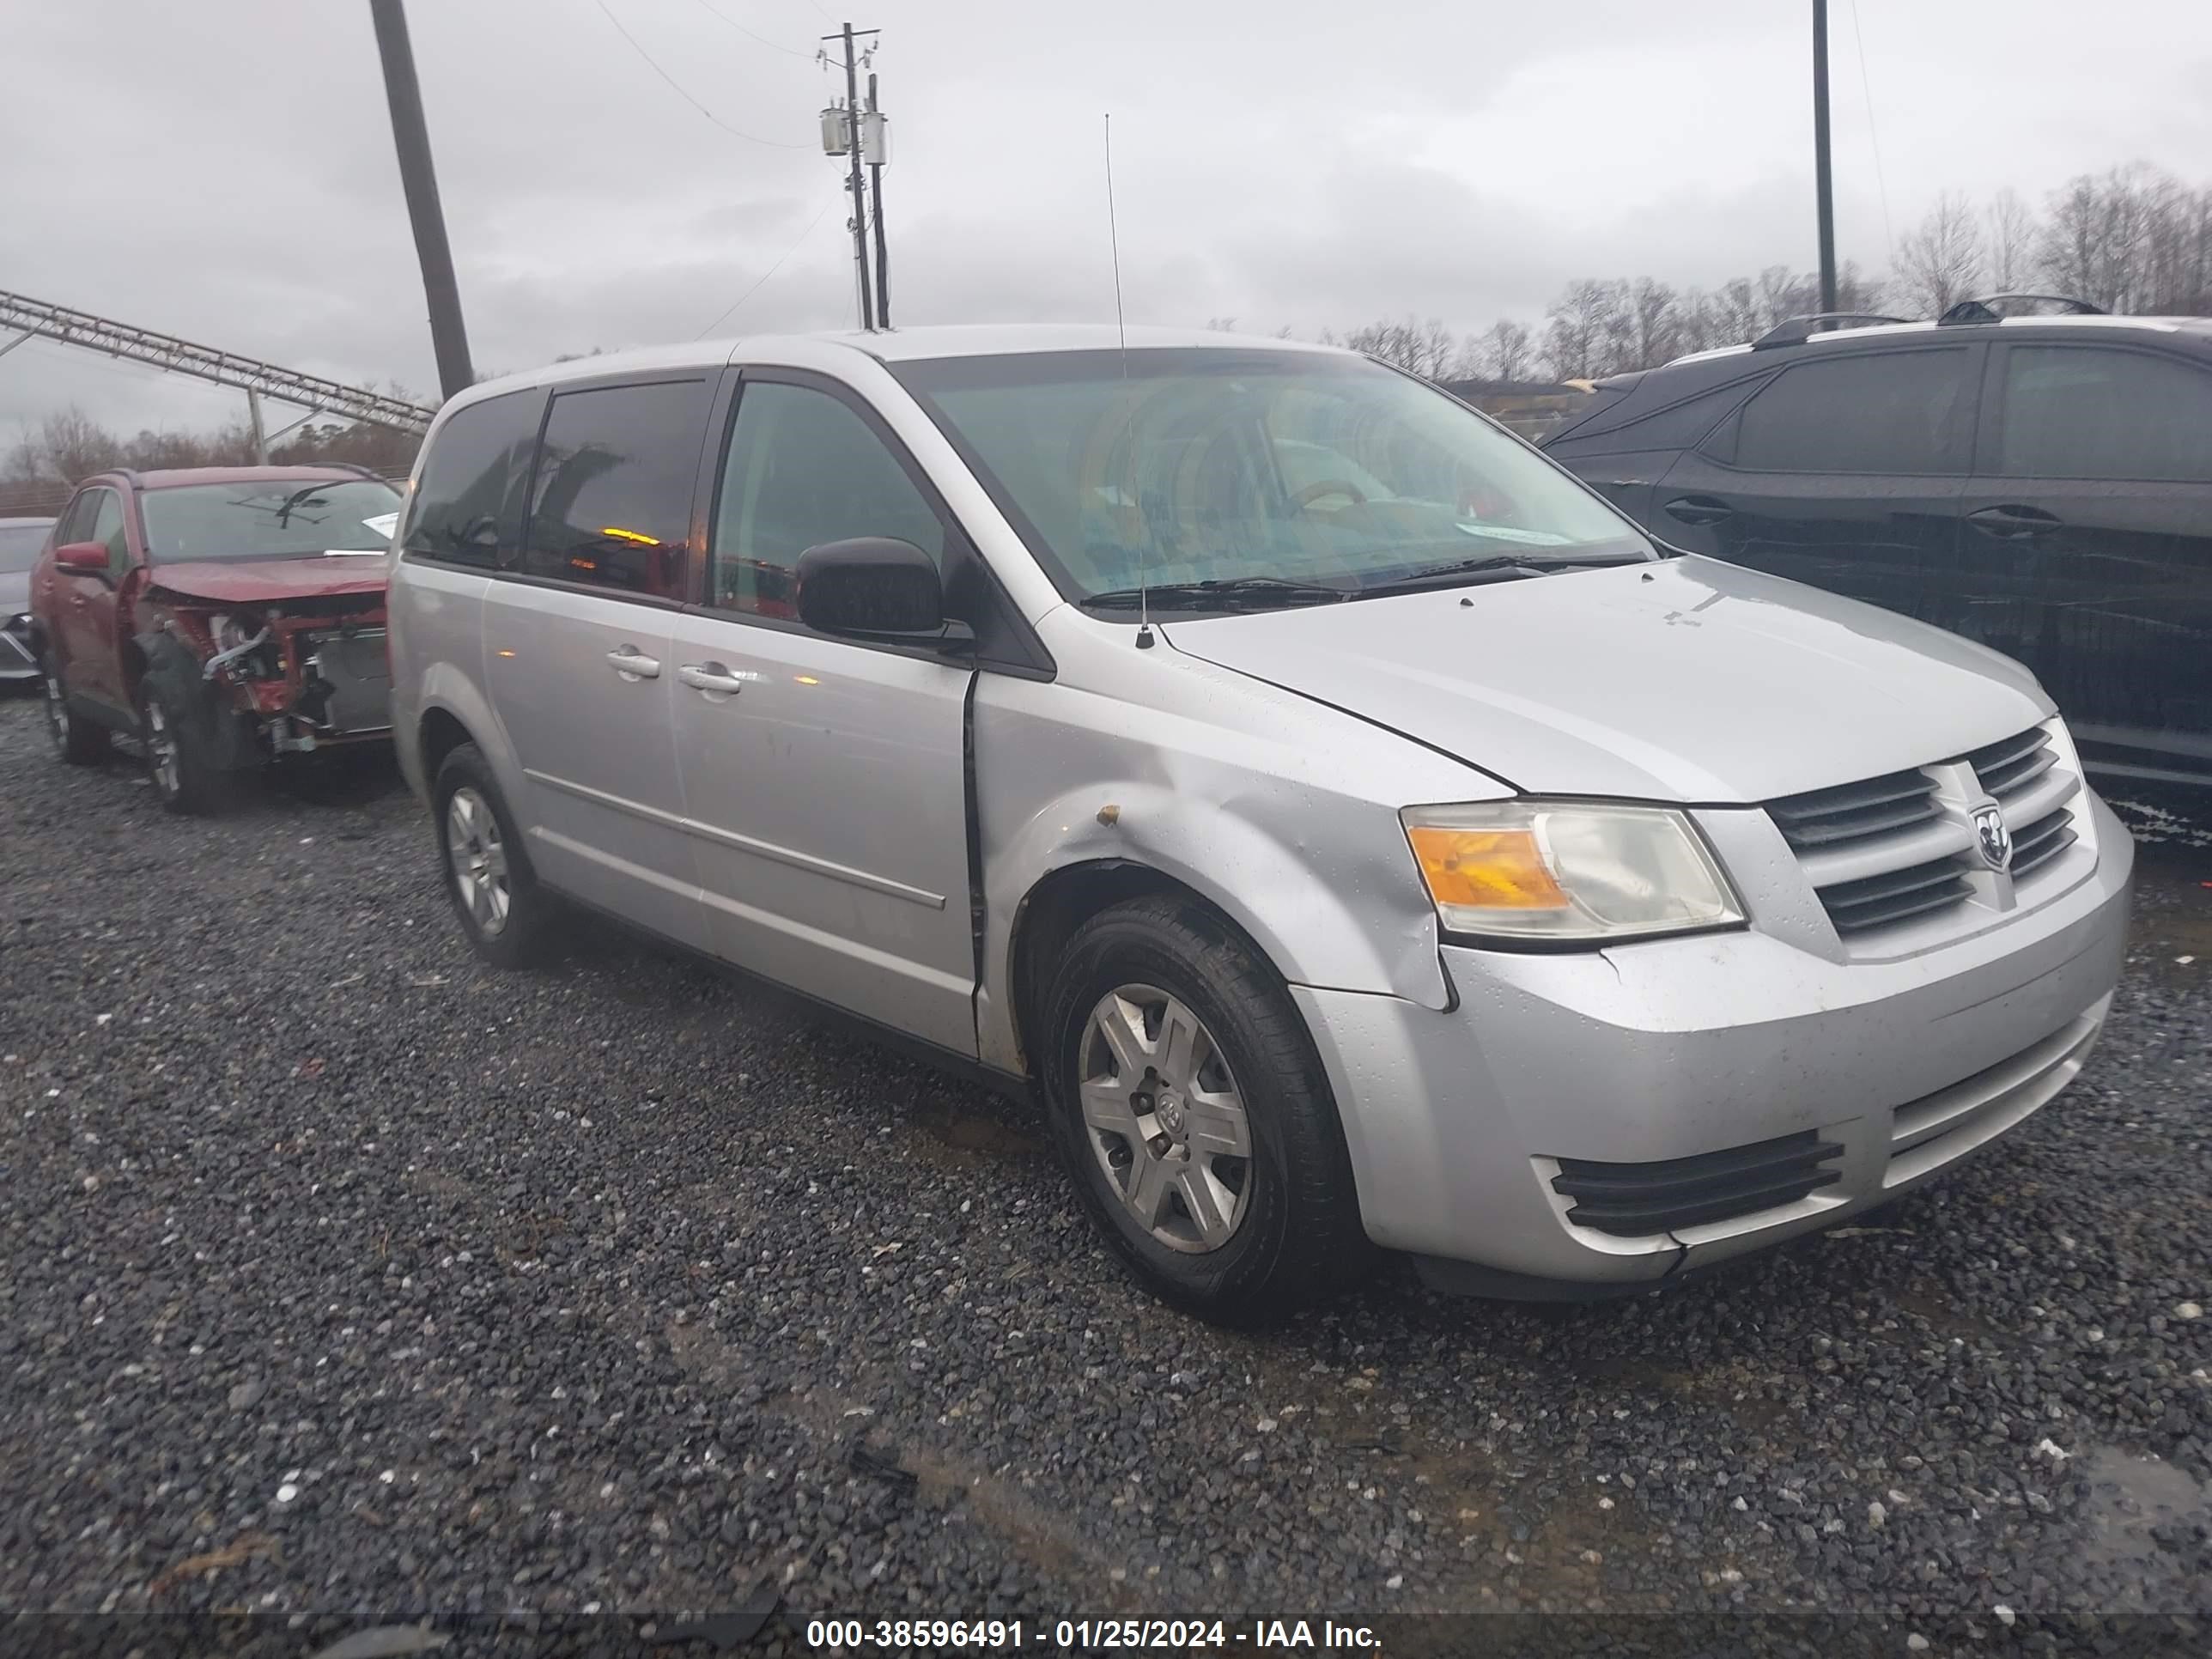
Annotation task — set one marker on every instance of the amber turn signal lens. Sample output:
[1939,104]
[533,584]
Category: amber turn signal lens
[1485,869]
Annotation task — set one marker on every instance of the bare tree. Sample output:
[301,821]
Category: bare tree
[2008,241]
[1506,351]
[1656,323]
[1575,328]
[1939,262]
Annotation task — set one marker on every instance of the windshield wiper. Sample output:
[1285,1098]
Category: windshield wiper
[1502,564]
[1234,592]
[298,497]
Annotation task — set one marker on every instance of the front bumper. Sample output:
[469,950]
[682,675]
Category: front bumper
[1456,1120]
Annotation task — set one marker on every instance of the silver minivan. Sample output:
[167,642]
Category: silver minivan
[1353,831]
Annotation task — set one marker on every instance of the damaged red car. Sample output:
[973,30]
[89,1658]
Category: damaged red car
[217,618]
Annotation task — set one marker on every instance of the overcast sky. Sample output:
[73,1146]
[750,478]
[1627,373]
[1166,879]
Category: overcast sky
[224,170]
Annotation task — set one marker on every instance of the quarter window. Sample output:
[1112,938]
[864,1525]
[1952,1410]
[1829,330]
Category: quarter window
[1895,412]
[2083,412]
[460,512]
[610,505]
[804,469]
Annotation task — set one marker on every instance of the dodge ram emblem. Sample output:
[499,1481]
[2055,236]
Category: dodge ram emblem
[1995,839]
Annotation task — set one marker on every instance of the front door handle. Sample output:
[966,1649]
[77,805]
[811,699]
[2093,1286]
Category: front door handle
[2009,523]
[1698,509]
[712,677]
[634,664]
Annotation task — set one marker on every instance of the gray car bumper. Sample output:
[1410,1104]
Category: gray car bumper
[1458,1120]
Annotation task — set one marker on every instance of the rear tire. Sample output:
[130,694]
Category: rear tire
[509,919]
[1194,1116]
[76,740]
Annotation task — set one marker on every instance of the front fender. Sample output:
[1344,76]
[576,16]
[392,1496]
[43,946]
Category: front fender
[447,689]
[1340,907]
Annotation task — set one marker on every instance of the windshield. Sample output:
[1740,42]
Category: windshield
[269,519]
[1216,465]
[19,546]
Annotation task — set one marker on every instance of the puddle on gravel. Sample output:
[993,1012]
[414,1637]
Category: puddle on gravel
[2130,1496]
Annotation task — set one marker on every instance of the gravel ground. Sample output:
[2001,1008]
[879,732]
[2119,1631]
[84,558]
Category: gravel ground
[348,1279]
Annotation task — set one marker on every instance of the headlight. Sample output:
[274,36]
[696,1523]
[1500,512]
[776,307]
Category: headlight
[1567,871]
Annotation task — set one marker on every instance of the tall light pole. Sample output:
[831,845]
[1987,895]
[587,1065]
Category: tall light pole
[448,339]
[1823,180]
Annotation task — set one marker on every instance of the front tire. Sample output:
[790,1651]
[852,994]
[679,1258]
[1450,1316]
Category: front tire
[185,777]
[76,740]
[507,916]
[1194,1117]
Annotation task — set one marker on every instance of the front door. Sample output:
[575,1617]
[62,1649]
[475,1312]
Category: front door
[578,650]
[1844,471]
[2096,471]
[824,780]
[91,653]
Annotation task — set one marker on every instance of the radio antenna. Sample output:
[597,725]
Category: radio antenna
[1122,328]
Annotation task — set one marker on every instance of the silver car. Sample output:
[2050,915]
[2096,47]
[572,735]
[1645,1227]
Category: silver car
[1352,830]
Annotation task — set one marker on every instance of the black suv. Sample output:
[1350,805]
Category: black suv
[2042,483]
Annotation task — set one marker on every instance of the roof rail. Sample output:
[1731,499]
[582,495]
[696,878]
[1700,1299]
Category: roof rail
[1983,310]
[1795,331]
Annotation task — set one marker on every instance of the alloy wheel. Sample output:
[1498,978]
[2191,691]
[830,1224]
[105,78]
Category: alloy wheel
[478,857]
[1164,1118]
[162,756]
[57,716]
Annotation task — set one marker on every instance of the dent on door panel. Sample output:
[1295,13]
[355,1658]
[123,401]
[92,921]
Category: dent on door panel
[1278,811]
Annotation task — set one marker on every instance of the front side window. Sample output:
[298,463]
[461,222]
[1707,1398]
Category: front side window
[2088,412]
[477,457]
[804,469]
[108,531]
[269,519]
[1895,412]
[1208,466]
[611,503]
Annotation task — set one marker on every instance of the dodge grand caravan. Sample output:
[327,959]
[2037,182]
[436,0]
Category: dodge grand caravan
[1349,825]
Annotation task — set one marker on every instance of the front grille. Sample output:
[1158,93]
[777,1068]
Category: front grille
[2006,768]
[1856,812]
[2042,841]
[1895,895]
[1631,1200]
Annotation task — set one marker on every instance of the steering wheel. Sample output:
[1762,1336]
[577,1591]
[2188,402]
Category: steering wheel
[1303,499]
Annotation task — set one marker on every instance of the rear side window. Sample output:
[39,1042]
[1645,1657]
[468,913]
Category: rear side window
[461,509]
[2086,412]
[611,502]
[1898,411]
[805,469]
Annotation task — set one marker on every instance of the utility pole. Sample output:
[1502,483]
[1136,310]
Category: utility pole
[253,424]
[877,156]
[419,182]
[1823,180]
[847,34]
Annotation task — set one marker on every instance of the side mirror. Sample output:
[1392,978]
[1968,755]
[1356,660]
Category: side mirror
[89,558]
[873,587]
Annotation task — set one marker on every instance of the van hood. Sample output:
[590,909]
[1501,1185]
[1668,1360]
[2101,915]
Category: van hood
[1685,680]
[268,582]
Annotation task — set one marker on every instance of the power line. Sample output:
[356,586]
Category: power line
[765,274]
[773,144]
[773,45]
[1874,139]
